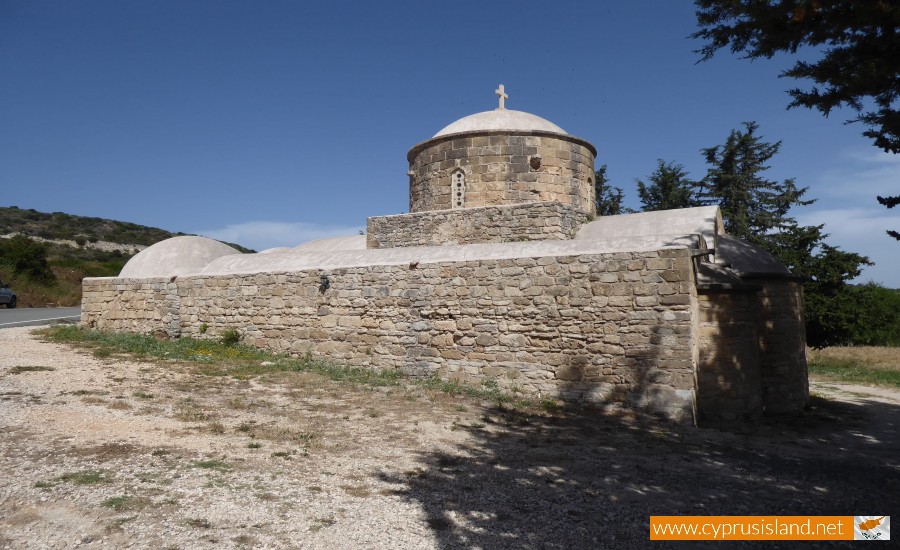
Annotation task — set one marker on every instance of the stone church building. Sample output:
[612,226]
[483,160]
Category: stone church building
[501,271]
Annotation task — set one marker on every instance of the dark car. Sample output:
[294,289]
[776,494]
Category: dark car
[7,296]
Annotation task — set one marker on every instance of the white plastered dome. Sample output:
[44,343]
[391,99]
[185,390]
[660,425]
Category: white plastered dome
[176,256]
[501,120]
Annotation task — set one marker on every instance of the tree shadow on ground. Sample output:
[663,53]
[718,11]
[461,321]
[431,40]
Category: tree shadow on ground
[580,479]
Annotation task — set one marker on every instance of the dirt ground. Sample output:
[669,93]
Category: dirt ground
[114,453]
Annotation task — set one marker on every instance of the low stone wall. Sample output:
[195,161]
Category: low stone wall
[489,224]
[611,329]
[131,305]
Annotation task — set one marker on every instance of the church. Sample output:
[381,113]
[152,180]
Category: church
[502,272]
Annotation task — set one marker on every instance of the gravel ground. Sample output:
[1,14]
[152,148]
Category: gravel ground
[107,452]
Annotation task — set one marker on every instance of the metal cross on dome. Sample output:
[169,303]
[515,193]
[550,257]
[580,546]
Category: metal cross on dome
[502,95]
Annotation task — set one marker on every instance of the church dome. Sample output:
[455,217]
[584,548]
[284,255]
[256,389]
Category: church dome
[176,256]
[502,120]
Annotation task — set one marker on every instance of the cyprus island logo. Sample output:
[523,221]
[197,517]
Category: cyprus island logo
[871,527]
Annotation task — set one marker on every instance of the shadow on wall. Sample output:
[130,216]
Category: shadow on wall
[752,350]
[729,380]
[652,377]
[584,480]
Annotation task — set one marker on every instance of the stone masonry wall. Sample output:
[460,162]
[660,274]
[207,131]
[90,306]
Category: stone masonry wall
[131,305]
[752,352]
[729,384]
[785,378]
[490,224]
[503,169]
[612,329]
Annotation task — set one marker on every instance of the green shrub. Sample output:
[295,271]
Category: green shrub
[27,258]
[230,337]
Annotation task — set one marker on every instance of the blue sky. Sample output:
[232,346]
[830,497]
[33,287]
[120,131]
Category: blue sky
[271,123]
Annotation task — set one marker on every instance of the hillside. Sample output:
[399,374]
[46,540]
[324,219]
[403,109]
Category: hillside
[58,225]
[45,256]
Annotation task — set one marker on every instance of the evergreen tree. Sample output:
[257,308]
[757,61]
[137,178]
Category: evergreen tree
[608,201]
[890,202]
[857,43]
[754,208]
[832,313]
[669,188]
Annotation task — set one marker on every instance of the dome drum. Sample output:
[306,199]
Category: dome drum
[501,167]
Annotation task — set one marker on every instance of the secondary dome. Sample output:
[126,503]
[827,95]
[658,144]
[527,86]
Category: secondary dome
[500,119]
[175,256]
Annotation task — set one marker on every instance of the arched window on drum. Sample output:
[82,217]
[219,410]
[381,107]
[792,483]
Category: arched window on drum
[458,189]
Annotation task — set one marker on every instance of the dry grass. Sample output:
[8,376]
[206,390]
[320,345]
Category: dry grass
[880,358]
[878,366]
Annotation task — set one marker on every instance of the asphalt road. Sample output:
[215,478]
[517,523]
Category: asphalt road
[23,317]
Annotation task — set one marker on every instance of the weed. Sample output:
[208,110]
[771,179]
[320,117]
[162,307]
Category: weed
[356,491]
[44,484]
[89,392]
[230,337]
[212,464]
[322,522]
[124,502]
[86,477]
[549,405]
[283,454]
[143,395]
[215,358]
[215,428]
[21,369]
[238,403]
[121,405]
[199,523]
[102,353]
[119,522]
[253,445]
[159,452]
[203,328]
[189,411]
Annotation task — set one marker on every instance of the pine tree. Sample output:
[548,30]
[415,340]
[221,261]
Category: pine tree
[851,55]
[850,52]
[608,201]
[754,208]
[890,202]
[669,188]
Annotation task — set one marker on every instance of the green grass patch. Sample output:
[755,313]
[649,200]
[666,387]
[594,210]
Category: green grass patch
[86,477]
[21,369]
[215,358]
[853,371]
[124,502]
[212,464]
[489,390]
